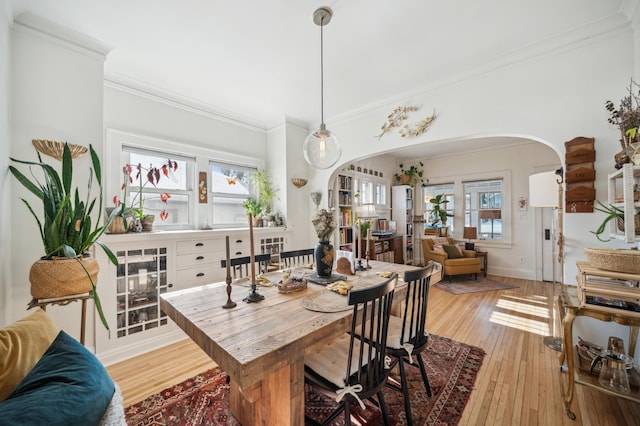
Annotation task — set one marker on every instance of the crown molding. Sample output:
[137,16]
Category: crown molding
[175,100]
[31,22]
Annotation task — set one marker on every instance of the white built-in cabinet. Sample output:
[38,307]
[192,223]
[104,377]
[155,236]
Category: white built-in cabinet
[151,264]
[623,194]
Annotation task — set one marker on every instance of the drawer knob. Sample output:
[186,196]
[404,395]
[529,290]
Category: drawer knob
[200,274]
[170,285]
[199,244]
[238,241]
[199,257]
[238,252]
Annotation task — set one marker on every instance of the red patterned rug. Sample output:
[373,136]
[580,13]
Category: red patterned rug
[452,368]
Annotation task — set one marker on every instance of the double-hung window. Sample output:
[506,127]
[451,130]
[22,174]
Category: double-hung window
[231,185]
[178,184]
[483,207]
[430,192]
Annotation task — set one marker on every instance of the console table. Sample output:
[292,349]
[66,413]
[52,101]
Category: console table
[381,245]
[485,260]
[573,303]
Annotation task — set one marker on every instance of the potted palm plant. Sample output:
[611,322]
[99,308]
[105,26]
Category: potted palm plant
[67,230]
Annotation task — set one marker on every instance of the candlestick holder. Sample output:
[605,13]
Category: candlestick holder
[230,303]
[253,296]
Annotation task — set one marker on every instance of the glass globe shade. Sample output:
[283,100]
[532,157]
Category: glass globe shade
[322,148]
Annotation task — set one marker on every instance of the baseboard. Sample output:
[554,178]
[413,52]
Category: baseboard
[138,348]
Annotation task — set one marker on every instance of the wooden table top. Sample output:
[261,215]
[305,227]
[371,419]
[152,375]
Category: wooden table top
[253,340]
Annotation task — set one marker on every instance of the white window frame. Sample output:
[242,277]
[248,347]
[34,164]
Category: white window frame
[459,208]
[199,214]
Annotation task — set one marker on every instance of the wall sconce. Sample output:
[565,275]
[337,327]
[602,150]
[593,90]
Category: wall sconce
[299,182]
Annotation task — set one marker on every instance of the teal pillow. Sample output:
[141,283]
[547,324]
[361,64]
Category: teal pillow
[453,252]
[67,386]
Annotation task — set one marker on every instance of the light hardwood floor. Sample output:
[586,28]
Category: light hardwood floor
[518,383]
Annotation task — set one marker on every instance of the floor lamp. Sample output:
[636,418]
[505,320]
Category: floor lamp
[545,190]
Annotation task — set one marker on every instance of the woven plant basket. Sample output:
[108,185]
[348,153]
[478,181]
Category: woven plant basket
[61,277]
[636,224]
[617,260]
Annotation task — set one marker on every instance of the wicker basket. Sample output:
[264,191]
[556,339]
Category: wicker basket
[618,260]
[636,224]
[61,277]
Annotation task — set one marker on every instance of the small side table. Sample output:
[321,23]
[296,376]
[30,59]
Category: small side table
[42,303]
[483,255]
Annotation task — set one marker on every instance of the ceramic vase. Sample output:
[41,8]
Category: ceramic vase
[324,254]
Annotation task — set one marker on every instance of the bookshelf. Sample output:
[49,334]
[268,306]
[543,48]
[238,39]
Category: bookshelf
[344,211]
[402,212]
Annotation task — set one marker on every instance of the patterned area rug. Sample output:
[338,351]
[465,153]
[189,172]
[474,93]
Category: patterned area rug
[464,284]
[452,368]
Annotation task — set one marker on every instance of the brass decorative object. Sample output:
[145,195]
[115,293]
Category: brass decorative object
[396,118]
[299,182]
[399,115]
[421,127]
[55,148]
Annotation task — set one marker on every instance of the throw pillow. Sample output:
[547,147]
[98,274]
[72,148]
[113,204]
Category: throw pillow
[438,248]
[68,386]
[21,346]
[452,251]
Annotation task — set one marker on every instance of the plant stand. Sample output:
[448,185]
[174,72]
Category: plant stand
[42,303]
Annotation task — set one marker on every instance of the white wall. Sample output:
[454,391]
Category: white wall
[284,162]
[56,94]
[5,193]
[518,162]
[551,96]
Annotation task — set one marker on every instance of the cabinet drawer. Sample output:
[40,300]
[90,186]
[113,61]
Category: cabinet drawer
[205,258]
[198,246]
[238,245]
[192,277]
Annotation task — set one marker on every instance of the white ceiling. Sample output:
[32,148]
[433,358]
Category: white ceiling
[258,60]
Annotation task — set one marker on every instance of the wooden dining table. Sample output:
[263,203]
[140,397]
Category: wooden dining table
[262,346]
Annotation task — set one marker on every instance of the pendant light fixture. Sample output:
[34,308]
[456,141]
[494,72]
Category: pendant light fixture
[322,148]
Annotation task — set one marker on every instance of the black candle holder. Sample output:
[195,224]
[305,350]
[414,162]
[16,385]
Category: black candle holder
[254,296]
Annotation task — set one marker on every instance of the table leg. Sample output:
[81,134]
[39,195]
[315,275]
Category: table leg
[633,339]
[567,322]
[277,400]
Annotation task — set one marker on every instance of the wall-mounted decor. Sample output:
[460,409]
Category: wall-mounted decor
[522,204]
[202,188]
[299,182]
[580,175]
[55,148]
[401,114]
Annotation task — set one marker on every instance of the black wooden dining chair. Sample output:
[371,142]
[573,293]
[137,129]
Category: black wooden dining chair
[408,335]
[293,258]
[241,265]
[349,369]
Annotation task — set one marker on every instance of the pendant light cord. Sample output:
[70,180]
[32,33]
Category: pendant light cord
[321,72]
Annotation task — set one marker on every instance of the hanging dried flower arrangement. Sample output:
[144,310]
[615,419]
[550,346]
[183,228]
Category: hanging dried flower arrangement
[399,115]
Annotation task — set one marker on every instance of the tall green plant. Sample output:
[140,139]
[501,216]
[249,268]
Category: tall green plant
[265,191]
[66,228]
[440,214]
